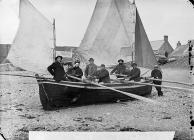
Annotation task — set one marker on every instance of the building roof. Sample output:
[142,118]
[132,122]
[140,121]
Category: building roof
[62,48]
[179,51]
[192,42]
[156,44]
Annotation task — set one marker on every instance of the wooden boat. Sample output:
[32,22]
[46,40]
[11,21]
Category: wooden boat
[54,95]
[107,32]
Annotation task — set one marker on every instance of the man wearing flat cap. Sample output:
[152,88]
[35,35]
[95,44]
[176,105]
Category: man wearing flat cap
[56,69]
[157,74]
[103,75]
[76,71]
[90,70]
[134,74]
[68,67]
[120,69]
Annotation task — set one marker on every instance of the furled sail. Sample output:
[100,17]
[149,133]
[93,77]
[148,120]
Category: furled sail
[111,29]
[33,46]
[144,55]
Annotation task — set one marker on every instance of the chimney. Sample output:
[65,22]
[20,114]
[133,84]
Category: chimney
[165,38]
[178,44]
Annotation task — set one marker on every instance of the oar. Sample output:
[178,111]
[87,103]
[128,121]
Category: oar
[125,93]
[120,75]
[142,83]
[5,64]
[168,81]
[127,75]
[19,75]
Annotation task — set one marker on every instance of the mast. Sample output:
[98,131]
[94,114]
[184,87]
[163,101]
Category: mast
[54,40]
[134,21]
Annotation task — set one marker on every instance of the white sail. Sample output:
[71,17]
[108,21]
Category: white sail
[111,28]
[33,46]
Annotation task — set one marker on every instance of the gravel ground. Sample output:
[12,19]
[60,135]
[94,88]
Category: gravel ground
[21,111]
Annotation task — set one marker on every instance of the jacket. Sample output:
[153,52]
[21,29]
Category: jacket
[103,76]
[135,74]
[90,70]
[157,74]
[56,69]
[76,72]
[119,69]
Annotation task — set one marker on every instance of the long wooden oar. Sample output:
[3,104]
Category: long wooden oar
[125,81]
[142,83]
[120,75]
[125,93]
[167,81]
[22,75]
[5,64]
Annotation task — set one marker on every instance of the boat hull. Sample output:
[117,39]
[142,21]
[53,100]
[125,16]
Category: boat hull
[54,95]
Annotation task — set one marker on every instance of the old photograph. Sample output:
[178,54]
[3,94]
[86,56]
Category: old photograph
[119,66]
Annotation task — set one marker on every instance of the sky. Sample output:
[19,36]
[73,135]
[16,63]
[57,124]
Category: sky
[174,18]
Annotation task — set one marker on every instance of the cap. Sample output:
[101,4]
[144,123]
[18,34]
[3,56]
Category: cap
[58,57]
[77,61]
[91,59]
[102,65]
[121,60]
[133,64]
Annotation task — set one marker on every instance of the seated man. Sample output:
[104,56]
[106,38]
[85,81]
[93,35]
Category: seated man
[120,69]
[57,70]
[69,67]
[76,71]
[134,73]
[103,74]
[90,70]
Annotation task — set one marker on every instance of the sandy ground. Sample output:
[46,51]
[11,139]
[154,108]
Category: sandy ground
[21,111]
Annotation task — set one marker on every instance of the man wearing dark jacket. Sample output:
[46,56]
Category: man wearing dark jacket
[157,74]
[120,69]
[103,74]
[69,68]
[76,71]
[57,70]
[134,73]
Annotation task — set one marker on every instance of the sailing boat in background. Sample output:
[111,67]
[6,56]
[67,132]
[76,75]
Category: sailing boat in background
[32,48]
[116,24]
[111,27]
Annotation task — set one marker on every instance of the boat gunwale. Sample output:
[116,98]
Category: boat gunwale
[90,86]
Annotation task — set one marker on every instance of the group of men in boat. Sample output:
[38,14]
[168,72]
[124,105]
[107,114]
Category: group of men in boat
[121,70]
[74,73]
